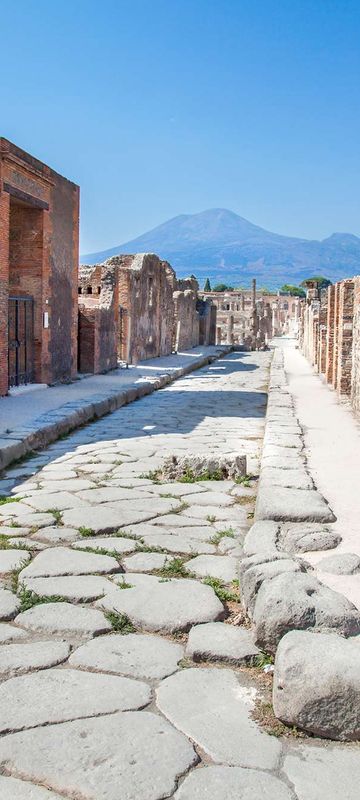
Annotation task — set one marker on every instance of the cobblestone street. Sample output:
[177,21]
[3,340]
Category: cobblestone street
[128,668]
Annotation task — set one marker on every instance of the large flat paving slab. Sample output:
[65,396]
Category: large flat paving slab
[136,655]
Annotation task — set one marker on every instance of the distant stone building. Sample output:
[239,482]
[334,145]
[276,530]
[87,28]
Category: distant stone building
[132,308]
[249,318]
[39,235]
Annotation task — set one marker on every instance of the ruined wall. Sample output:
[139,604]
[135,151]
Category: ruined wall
[98,318]
[39,233]
[330,336]
[186,319]
[147,307]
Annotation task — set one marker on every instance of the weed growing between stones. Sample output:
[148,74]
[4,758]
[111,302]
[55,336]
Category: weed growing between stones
[244,480]
[124,585]
[211,518]
[13,579]
[190,477]
[263,660]
[5,544]
[175,568]
[56,514]
[4,500]
[125,535]
[141,547]
[182,507]
[216,538]
[243,501]
[102,551]
[29,599]
[120,623]
[224,594]
[263,714]
[86,531]
[153,475]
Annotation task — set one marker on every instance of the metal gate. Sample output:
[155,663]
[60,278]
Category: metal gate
[21,340]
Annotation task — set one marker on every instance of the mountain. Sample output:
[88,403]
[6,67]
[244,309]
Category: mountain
[227,248]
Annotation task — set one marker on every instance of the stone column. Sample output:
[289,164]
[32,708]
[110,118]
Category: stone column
[230,329]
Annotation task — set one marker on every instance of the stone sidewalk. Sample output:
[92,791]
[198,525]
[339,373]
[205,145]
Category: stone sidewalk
[128,668]
[33,419]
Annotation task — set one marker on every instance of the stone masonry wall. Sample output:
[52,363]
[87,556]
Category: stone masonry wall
[98,318]
[330,336]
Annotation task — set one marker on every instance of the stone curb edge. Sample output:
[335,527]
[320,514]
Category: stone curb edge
[52,425]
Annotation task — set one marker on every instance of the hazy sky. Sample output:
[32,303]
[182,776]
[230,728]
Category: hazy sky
[163,107]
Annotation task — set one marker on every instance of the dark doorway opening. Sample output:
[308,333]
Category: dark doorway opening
[21,341]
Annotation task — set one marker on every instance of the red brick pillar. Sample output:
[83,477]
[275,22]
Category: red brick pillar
[329,358]
[4,289]
[334,379]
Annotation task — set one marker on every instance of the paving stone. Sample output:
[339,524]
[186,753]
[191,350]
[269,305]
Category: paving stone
[289,478]
[30,544]
[9,604]
[222,567]
[179,521]
[299,601]
[333,771]
[34,520]
[12,559]
[137,655]
[63,619]
[15,659]
[214,710]
[118,544]
[166,607]
[58,695]
[70,485]
[179,543]
[14,789]
[76,589]
[108,494]
[317,684]
[292,504]
[211,499]
[232,783]
[8,633]
[341,564]
[231,514]
[6,530]
[145,562]
[175,489]
[63,561]
[103,518]
[124,755]
[217,641]
[136,579]
[46,501]
[57,534]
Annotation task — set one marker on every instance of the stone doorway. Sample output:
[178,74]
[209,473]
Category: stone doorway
[25,293]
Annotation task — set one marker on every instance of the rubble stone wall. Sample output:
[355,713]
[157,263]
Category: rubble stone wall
[98,318]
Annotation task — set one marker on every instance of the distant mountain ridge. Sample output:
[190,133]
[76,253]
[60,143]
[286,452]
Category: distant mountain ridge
[227,248]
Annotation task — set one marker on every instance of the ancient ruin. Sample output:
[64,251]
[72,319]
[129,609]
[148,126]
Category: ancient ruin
[39,253]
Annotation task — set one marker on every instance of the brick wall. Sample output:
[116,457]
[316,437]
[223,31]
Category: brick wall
[330,337]
[98,318]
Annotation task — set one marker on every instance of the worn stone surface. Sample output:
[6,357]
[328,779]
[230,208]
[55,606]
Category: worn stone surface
[15,659]
[124,755]
[56,695]
[292,504]
[12,559]
[64,620]
[253,578]
[299,601]
[116,544]
[136,655]
[9,604]
[302,538]
[216,641]
[76,589]
[262,537]
[230,465]
[14,789]
[317,684]
[145,562]
[214,710]
[63,561]
[341,564]
[222,567]
[232,783]
[103,518]
[334,771]
[166,607]
[57,534]
[8,633]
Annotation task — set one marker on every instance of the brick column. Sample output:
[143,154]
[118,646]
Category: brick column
[4,289]
[345,337]
[329,357]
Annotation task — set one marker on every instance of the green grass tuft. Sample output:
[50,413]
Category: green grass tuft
[119,622]
[29,599]
[224,594]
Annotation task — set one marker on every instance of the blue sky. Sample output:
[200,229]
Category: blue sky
[158,108]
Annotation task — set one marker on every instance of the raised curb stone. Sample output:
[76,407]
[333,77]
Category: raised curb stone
[136,655]
[292,504]
[317,684]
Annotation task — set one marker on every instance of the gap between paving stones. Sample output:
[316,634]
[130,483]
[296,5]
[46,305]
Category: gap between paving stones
[50,426]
